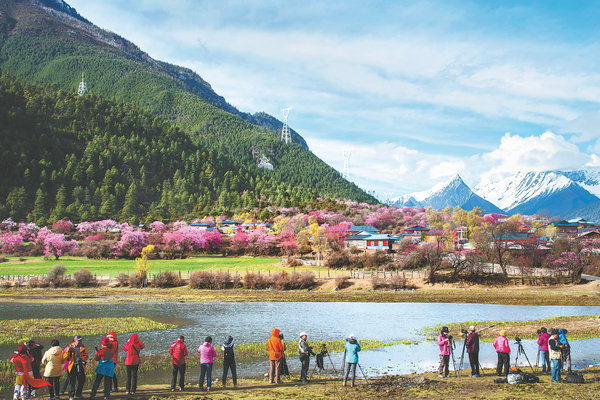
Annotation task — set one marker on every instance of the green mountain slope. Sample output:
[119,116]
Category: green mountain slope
[45,45]
[86,158]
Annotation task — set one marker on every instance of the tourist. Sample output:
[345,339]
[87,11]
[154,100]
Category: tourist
[35,354]
[275,348]
[444,346]
[555,349]
[352,349]
[105,368]
[473,351]
[22,361]
[77,356]
[565,349]
[207,353]
[66,368]
[178,350]
[54,366]
[112,337]
[304,351]
[132,361]
[283,367]
[228,349]
[503,350]
[543,346]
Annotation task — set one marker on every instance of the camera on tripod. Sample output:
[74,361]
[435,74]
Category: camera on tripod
[517,340]
[464,331]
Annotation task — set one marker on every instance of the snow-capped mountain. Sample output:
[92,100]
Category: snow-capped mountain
[452,193]
[588,178]
[537,192]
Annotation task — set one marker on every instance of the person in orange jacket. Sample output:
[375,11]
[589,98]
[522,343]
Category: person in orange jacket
[112,337]
[24,373]
[77,356]
[275,347]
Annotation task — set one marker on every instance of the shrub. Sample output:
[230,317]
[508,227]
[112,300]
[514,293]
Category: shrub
[377,283]
[166,279]
[3,259]
[84,278]
[221,280]
[281,280]
[122,280]
[256,281]
[56,275]
[293,262]
[341,282]
[37,282]
[98,250]
[337,259]
[137,280]
[305,280]
[6,284]
[201,280]
[395,282]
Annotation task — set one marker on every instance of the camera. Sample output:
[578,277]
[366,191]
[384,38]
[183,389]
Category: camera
[450,337]
[539,331]
[464,331]
[517,339]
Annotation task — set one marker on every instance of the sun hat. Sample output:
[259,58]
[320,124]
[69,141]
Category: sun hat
[303,334]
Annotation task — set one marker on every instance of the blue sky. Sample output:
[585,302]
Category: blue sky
[418,91]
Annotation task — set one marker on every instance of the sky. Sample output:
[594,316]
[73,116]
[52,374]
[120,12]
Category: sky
[417,91]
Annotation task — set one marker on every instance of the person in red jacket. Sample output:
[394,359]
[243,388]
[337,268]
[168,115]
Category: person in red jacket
[275,347]
[112,337]
[132,361]
[22,362]
[105,368]
[178,351]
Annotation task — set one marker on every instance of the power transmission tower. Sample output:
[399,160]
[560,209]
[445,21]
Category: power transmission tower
[346,172]
[82,86]
[285,131]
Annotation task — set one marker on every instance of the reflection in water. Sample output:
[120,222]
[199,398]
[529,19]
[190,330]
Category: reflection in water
[252,322]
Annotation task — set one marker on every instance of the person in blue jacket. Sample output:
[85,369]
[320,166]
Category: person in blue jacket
[565,349]
[352,349]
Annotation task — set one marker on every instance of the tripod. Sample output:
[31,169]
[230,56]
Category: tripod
[521,350]
[452,346]
[462,356]
[322,355]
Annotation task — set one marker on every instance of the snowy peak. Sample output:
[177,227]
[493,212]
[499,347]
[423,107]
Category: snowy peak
[536,192]
[452,193]
[588,178]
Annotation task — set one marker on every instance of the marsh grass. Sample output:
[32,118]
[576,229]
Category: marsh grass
[14,331]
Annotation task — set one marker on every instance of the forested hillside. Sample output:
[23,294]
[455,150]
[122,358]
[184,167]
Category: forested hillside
[86,158]
[43,45]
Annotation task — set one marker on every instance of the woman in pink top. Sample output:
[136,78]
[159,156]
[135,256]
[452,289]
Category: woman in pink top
[207,353]
[444,344]
[503,350]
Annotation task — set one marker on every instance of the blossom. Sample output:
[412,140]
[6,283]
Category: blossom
[11,242]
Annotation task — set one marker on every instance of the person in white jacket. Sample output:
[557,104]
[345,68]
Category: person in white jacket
[53,360]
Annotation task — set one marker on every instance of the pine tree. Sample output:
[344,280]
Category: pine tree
[131,204]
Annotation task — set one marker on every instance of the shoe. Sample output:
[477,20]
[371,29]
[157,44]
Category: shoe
[344,384]
[352,385]
[126,392]
[172,389]
[133,393]
[207,390]
[440,375]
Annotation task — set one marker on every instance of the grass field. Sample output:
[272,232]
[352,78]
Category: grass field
[39,266]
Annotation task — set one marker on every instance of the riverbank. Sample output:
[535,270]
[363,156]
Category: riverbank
[584,295]
[578,327]
[421,386]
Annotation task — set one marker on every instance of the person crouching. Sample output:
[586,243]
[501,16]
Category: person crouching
[105,369]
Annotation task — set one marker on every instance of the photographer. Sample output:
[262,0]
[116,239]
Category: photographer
[105,370]
[543,345]
[473,351]
[565,350]
[555,349]
[304,351]
[77,356]
[444,345]
[352,349]
[503,350]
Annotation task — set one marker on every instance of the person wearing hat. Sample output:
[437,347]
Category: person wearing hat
[112,337]
[352,349]
[503,351]
[105,368]
[77,356]
[25,378]
[554,347]
[304,351]
[275,348]
[473,351]
[53,361]
[542,342]
[444,345]
[132,361]
[228,349]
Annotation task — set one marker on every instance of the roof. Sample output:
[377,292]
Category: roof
[201,224]
[368,228]
[379,236]
[230,222]
[416,228]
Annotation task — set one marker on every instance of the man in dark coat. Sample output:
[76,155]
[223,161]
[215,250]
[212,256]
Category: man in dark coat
[473,351]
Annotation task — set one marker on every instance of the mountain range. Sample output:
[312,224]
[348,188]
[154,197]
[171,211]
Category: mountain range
[572,193]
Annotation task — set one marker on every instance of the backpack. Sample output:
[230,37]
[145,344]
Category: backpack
[529,378]
[500,380]
[574,377]
[514,379]
[228,353]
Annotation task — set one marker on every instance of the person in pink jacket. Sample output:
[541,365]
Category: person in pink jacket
[503,350]
[444,342]
[207,354]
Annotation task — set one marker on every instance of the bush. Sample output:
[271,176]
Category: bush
[166,279]
[337,259]
[305,280]
[395,282]
[37,282]
[221,280]
[341,282]
[293,262]
[84,278]
[201,280]
[256,281]
[137,280]
[6,285]
[98,250]
[3,259]
[56,275]
[122,280]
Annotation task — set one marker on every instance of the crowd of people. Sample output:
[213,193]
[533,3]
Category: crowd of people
[71,361]
[552,347]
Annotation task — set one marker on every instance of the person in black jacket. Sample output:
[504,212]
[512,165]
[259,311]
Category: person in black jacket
[304,351]
[473,351]
[229,360]
[35,353]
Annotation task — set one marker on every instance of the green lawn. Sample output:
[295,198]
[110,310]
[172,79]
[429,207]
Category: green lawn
[37,265]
